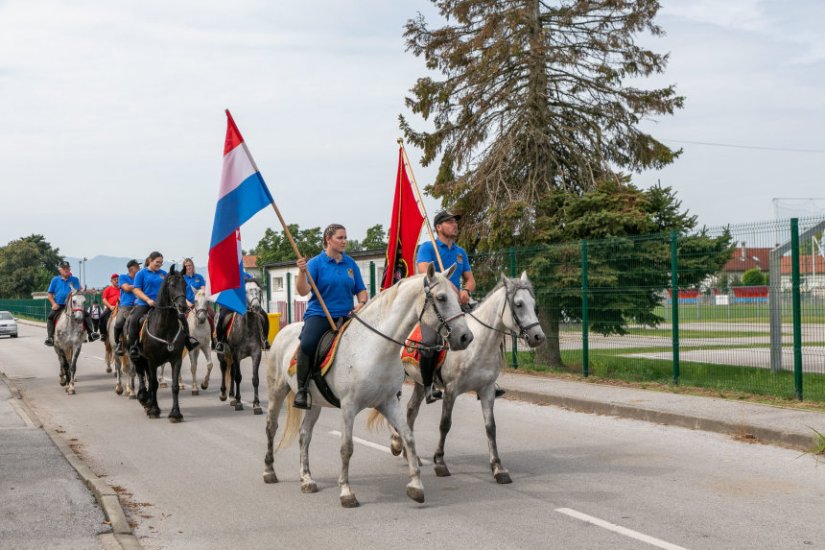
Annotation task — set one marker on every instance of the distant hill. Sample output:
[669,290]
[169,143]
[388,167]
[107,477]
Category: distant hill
[97,270]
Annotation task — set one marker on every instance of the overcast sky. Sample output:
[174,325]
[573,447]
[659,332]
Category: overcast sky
[112,126]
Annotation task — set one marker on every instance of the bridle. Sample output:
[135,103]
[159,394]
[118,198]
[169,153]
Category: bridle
[510,296]
[176,305]
[443,323]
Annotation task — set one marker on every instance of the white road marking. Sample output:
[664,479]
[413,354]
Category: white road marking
[375,446]
[619,529]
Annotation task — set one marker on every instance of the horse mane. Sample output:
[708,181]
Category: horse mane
[515,281]
[391,292]
[163,293]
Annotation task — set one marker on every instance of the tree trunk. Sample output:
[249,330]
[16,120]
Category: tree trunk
[550,353]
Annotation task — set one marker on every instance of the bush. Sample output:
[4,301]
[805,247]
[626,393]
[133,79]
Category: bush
[753,277]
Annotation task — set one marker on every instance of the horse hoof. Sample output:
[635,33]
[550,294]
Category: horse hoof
[270,477]
[108,370]
[196,392]
[222,397]
[153,413]
[63,381]
[70,391]
[133,396]
[238,406]
[176,418]
[349,501]
[163,385]
[258,410]
[503,478]
[441,470]
[311,487]
[118,390]
[415,493]
[232,402]
[204,386]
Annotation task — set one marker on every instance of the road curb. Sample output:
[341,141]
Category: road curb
[746,432]
[103,493]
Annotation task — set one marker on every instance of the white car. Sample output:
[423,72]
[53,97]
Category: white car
[8,324]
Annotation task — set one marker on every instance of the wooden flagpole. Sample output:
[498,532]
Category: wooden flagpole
[295,248]
[420,203]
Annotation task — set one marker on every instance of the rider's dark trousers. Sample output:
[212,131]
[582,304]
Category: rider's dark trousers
[52,319]
[123,313]
[134,324]
[428,357]
[104,320]
[314,329]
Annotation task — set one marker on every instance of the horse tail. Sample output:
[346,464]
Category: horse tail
[292,425]
[376,420]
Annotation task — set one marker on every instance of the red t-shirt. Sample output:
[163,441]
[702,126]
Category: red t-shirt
[112,295]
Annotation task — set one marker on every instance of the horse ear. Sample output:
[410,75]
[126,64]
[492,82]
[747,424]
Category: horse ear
[524,278]
[430,270]
[172,269]
[450,271]
[503,277]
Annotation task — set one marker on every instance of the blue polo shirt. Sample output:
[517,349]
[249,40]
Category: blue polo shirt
[61,288]
[127,299]
[337,282]
[449,256]
[193,283]
[149,282]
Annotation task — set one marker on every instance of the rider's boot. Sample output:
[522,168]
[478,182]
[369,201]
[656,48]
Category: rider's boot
[134,352]
[427,365]
[191,343]
[219,346]
[90,330]
[301,396]
[49,332]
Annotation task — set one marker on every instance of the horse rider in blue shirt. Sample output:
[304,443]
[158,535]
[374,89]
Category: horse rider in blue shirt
[338,278]
[59,289]
[146,288]
[446,227]
[220,327]
[126,283]
[194,282]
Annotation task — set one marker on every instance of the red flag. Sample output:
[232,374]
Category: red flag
[405,228]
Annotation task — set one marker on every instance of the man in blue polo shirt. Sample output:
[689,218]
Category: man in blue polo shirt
[446,227]
[126,283]
[59,289]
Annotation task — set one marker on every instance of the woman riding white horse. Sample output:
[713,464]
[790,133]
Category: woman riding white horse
[365,372]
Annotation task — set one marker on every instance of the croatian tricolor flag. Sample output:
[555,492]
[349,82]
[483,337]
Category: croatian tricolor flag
[243,193]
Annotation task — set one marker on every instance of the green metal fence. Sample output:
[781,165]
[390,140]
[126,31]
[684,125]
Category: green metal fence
[673,309]
[36,310]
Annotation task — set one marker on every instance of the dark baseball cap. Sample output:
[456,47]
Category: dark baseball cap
[131,263]
[445,215]
[65,264]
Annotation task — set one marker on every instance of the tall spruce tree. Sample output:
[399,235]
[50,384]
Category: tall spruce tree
[534,100]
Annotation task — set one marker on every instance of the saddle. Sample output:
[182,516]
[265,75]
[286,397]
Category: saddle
[324,357]
[411,355]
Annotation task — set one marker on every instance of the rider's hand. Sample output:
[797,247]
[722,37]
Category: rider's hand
[302,265]
[151,302]
[358,307]
[190,304]
[464,297]
[54,307]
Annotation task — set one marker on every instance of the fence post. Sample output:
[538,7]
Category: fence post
[514,351]
[372,278]
[268,288]
[288,297]
[674,302]
[585,320]
[797,313]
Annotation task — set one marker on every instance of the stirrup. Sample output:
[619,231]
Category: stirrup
[94,336]
[134,352]
[432,394]
[304,403]
[219,347]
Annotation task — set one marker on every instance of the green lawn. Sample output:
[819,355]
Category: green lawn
[742,313]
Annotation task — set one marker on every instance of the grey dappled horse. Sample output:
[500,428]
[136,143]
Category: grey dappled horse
[69,335]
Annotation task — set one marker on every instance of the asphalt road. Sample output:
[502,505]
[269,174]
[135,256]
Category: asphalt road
[579,481]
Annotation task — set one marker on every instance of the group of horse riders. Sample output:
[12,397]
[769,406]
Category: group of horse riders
[337,278]
[132,294]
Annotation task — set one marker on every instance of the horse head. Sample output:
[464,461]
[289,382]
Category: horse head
[521,315]
[253,295]
[77,305]
[173,291]
[200,306]
[442,312]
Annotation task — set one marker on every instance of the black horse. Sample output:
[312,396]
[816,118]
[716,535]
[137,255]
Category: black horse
[246,338]
[163,341]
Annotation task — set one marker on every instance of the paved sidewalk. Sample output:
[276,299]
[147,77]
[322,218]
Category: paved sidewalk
[45,502]
[751,421]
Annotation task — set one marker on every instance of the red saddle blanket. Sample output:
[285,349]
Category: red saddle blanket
[328,358]
[410,353]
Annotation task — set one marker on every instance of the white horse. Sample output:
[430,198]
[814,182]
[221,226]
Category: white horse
[508,308]
[69,335]
[124,369]
[365,373]
[199,328]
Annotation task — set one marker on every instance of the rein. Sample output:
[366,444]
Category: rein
[509,301]
[170,345]
[417,344]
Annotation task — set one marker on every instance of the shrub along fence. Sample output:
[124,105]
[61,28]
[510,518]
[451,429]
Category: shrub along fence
[672,308]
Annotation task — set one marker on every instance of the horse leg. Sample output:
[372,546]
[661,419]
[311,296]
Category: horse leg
[222,360]
[175,415]
[64,367]
[413,406]
[153,410]
[236,381]
[129,372]
[488,399]
[73,369]
[308,484]
[118,373]
[444,426]
[208,354]
[348,499]
[162,379]
[391,409]
[193,365]
[277,394]
[143,391]
[256,363]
